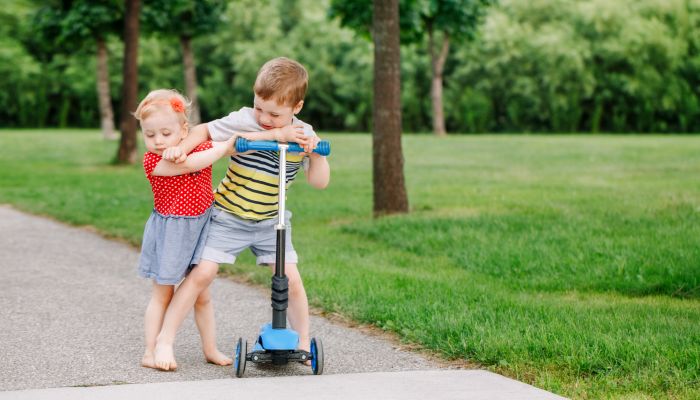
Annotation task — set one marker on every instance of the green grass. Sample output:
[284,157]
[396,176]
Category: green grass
[568,262]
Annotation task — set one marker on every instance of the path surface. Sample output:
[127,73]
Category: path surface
[71,315]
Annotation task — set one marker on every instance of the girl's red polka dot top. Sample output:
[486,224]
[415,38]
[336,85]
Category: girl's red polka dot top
[182,195]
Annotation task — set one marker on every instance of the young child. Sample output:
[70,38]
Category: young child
[175,232]
[246,199]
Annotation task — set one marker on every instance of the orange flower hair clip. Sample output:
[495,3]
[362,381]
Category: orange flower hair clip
[177,105]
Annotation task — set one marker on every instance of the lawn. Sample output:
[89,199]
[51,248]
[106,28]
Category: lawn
[568,262]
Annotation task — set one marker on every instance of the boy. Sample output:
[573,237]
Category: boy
[246,199]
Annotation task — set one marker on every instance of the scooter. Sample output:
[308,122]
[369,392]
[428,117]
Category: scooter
[276,344]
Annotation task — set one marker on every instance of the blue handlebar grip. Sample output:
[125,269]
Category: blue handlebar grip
[242,145]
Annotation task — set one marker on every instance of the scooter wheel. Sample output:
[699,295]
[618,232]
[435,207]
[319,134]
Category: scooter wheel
[317,353]
[239,361]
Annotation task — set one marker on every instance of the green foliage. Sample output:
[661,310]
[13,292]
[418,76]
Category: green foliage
[590,65]
[86,20]
[459,18]
[336,98]
[70,25]
[533,76]
[541,65]
[47,53]
[13,16]
[19,95]
[189,18]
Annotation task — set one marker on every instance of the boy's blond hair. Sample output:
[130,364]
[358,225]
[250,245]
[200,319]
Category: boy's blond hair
[163,99]
[283,80]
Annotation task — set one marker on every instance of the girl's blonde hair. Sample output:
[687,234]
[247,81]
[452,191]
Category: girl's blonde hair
[164,99]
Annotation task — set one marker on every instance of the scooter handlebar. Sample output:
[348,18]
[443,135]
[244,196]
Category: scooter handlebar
[242,145]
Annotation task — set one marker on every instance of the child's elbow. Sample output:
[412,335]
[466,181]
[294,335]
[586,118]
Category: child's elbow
[319,183]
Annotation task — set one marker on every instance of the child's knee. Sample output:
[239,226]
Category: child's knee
[203,280]
[204,273]
[203,300]
[162,297]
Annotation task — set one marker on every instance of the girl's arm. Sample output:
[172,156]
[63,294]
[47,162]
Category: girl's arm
[178,154]
[195,161]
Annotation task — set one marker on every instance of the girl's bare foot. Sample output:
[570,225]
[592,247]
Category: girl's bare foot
[147,360]
[217,357]
[165,358]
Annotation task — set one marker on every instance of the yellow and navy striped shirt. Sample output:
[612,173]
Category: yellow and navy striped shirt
[249,189]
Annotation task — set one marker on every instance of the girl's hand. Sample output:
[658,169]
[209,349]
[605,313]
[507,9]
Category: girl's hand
[174,154]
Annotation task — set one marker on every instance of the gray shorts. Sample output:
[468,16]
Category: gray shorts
[229,235]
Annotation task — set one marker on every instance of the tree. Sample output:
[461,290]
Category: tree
[383,22]
[389,186]
[594,65]
[20,70]
[185,19]
[127,145]
[70,23]
[441,20]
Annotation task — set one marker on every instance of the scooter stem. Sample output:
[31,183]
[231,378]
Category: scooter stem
[280,283]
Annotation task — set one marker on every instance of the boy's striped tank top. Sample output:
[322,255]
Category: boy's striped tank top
[249,189]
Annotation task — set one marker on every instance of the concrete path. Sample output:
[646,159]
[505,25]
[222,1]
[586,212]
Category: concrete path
[408,385]
[71,317]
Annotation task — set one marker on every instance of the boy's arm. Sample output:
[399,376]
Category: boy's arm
[288,133]
[200,133]
[195,136]
[195,162]
[243,123]
[319,172]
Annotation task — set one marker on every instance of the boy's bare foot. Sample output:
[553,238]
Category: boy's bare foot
[217,357]
[164,358]
[147,360]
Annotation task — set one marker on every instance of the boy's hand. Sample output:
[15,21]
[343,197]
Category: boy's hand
[310,145]
[225,148]
[291,133]
[231,145]
[174,154]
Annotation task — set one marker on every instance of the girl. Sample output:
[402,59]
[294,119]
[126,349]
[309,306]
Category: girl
[175,232]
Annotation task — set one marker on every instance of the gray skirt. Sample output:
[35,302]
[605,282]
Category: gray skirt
[172,246]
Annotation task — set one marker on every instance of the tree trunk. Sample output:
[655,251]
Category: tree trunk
[437,61]
[190,78]
[127,145]
[103,95]
[389,186]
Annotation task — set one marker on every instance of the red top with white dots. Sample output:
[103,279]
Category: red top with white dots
[182,195]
